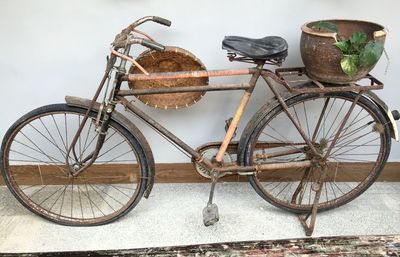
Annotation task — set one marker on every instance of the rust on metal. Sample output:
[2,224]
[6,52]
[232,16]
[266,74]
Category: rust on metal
[279,153]
[233,126]
[284,165]
[309,228]
[264,167]
[121,119]
[85,118]
[314,86]
[133,61]
[167,90]
[289,115]
[143,33]
[191,74]
[163,81]
[236,118]
[339,130]
[338,89]
[123,35]
[158,127]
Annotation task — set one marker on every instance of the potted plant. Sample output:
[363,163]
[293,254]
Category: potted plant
[341,51]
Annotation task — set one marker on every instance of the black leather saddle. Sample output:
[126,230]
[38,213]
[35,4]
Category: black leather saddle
[266,48]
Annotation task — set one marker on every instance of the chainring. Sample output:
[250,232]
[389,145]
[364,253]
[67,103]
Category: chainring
[209,154]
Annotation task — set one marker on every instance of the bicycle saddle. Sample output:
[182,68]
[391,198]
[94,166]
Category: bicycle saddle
[266,48]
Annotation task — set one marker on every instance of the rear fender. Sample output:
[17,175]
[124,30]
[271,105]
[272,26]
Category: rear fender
[273,102]
[387,112]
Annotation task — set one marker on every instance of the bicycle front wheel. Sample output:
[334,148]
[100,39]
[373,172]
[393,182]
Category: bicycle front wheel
[33,162]
[354,162]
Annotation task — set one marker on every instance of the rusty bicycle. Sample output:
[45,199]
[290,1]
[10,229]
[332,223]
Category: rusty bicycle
[312,147]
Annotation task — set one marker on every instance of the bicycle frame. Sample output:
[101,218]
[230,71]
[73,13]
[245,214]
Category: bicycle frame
[118,96]
[248,88]
[312,161]
[124,41]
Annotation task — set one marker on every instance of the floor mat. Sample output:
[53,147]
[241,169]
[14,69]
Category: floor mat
[388,245]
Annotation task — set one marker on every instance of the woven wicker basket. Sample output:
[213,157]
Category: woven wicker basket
[171,60]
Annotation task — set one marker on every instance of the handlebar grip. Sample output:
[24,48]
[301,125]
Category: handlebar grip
[153,45]
[162,21]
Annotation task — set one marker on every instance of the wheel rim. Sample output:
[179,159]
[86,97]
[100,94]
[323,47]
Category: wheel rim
[36,171]
[361,145]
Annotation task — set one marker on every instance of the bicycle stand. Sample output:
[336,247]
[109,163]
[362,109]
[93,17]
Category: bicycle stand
[312,215]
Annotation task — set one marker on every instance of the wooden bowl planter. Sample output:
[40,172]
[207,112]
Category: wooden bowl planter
[322,59]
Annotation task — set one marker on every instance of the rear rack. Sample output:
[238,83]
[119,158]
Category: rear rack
[297,81]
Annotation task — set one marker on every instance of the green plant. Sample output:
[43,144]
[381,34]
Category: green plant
[357,52]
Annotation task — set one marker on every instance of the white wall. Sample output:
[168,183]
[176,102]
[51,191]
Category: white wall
[54,48]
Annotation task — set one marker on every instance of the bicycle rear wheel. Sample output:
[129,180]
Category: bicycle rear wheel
[354,163]
[33,165]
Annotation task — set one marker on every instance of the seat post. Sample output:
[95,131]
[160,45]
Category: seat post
[239,112]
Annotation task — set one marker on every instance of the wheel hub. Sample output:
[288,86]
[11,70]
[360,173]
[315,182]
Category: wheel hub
[76,166]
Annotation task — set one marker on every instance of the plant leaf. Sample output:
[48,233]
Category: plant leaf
[349,64]
[357,38]
[325,25]
[371,53]
[344,46]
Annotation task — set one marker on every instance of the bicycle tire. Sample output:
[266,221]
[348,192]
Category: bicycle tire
[263,120]
[101,182]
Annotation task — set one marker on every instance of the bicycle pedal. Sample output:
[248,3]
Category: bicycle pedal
[210,214]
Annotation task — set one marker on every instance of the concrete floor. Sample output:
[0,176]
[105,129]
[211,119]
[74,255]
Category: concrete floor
[173,216]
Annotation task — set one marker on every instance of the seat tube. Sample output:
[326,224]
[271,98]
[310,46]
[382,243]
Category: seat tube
[238,114]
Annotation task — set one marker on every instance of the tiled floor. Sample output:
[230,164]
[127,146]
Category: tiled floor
[173,216]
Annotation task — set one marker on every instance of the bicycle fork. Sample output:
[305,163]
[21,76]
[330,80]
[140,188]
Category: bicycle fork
[103,118]
[102,123]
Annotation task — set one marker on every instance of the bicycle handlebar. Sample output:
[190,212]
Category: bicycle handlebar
[162,21]
[152,45]
[142,41]
[125,32]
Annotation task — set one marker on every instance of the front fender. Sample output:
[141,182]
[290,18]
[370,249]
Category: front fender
[126,123]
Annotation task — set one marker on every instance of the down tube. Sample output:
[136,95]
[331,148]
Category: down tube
[157,126]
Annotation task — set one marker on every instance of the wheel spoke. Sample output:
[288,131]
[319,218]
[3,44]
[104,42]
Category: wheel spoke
[47,198]
[306,118]
[92,186]
[40,150]
[357,142]
[40,161]
[59,133]
[36,168]
[53,142]
[333,122]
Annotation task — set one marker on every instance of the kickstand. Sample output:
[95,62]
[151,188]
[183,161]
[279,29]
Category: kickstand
[309,228]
